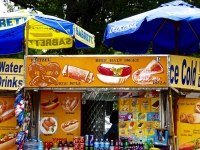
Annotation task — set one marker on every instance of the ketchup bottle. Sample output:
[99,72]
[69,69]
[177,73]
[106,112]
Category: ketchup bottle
[50,145]
[46,145]
[116,147]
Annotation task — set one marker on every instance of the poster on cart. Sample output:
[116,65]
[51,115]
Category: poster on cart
[97,71]
[60,115]
[139,115]
[188,124]
[8,131]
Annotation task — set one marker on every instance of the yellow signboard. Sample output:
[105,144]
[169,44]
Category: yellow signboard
[84,36]
[188,124]
[184,72]
[8,131]
[60,114]
[11,73]
[96,71]
[45,37]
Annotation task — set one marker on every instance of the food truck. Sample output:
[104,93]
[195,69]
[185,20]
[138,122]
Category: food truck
[72,94]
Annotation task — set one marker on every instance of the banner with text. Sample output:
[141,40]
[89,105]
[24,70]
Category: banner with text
[60,115]
[97,71]
[184,72]
[8,131]
[11,73]
[188,124]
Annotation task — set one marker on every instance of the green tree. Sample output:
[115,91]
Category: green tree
[93,16]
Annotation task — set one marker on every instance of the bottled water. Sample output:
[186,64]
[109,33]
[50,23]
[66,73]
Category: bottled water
[40,146]
[96,144]
[101,145]
[26,144]
[107,145]
[35,144]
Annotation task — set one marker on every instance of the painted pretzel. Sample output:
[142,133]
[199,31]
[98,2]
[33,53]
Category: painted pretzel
[43,76]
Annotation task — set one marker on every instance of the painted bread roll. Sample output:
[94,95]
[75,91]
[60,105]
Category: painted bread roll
[183,117]
[193,118]
[78,74]
[197,108]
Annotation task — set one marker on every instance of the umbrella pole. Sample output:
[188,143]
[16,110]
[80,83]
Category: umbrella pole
[172,119]
[27,31]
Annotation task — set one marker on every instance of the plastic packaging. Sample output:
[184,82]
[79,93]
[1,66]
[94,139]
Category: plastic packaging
[107,145]
[96,144]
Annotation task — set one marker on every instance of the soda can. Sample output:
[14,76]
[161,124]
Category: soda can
[91,148]
[86,148]
[81,139]
[91,140]
[76,145]
[76,139]
[86,140]
[81,146]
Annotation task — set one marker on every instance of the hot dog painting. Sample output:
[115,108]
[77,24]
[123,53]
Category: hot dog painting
[70,125]
[113,73]
[50,103]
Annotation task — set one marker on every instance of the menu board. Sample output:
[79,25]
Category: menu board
[189,123]
[139,115]
[96,71]
[60,115]
[8,129]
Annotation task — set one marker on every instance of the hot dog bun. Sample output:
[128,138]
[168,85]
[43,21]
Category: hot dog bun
[50,107]
[111,79]
[113,73]
[8,144]
[70,125]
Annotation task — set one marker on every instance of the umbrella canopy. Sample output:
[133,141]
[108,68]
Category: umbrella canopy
[40,32]
[172,28]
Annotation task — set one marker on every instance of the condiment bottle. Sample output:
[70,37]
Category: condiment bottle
[71,146]
[55,144]
[46,145]
[60,146]
[65,146]
[50,145]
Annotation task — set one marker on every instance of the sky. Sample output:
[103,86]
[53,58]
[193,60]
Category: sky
[2,7]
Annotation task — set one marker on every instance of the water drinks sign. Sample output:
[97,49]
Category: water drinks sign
[185,72]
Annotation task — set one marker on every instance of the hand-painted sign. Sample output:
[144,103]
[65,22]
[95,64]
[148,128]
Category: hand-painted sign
[96,71]
[184,72]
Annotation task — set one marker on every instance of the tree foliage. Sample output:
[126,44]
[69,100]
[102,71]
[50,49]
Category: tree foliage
[93,16]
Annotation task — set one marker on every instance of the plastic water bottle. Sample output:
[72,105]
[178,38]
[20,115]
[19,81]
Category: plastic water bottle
[101,145]
[35,144]
[107,145]
[96,144]
[26,144]
[40,146]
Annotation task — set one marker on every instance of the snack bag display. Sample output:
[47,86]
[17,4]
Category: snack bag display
[145,104]
[124,104]
[134,104]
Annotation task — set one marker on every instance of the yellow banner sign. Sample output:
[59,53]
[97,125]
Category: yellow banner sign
[84,36]
[188,124]
[8,131]
[96,71]
[60,114]
[11,73]
[184,72]
[45,37]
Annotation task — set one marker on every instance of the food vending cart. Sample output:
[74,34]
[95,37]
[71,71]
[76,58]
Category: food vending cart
[185,82]
[60,85]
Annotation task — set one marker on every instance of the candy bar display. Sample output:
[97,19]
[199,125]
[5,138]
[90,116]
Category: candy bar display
[22,112]
[139,116]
